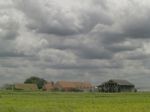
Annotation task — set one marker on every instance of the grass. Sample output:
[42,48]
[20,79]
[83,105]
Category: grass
[73,102]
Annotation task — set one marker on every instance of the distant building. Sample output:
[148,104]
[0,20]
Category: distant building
[73,86]
[116,86]
[49,86]
[26,87]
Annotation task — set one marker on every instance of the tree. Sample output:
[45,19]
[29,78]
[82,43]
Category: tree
[36,80]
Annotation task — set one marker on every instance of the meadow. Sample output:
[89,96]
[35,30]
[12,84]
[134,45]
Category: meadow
[73,102]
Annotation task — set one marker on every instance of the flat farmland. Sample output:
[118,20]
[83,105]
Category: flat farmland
[73,102]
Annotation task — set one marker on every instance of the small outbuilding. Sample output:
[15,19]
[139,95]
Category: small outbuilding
[116,85]
[26,87]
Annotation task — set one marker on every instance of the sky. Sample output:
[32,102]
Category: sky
[81,40]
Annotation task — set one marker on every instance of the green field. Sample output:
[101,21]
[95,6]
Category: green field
[73,102]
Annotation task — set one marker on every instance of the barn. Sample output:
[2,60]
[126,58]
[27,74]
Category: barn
[26,87]
[73,86]
[116,85]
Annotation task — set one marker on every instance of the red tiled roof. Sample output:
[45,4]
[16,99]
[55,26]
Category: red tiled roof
[75,85]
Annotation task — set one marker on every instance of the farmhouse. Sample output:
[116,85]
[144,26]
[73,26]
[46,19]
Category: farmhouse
[73,86]
[26,87]
[49,86]
[116,86]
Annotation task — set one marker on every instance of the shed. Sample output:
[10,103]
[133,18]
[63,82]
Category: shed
[26,87]
[115,85]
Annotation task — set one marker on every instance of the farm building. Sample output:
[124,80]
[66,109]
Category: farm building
[26,87]
[73,86]
[116,86]
[49,86]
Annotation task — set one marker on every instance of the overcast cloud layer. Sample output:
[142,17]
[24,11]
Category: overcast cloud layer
[86,40]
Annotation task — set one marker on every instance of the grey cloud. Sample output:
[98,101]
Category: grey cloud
[109,34]
[84,48]
[8,25]
[114,65]
[91,18]
[9,30]
[10,63]
[138,27]
[54,20]
[9,34]
[7,49]
[123,46]
[137,56]
[132,22]
[112,37]
[11,54]
[120,48]
[88,50]
[136,23]
[94,53]
[83,40]
[70,66]
[102,3]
